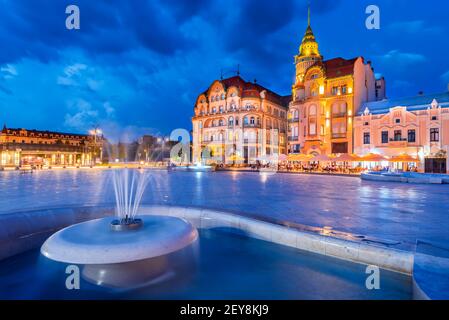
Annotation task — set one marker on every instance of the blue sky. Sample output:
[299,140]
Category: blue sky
[137,66]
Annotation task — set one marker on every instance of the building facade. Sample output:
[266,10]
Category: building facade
[22,147]
[327,94]
[417,126]
[238,122]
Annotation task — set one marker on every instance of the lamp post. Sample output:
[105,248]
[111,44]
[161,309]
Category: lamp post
[96,131]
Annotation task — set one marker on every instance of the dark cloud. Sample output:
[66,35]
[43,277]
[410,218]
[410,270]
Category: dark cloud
[155,56]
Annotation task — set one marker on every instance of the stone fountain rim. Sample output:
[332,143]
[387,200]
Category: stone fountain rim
[173,234]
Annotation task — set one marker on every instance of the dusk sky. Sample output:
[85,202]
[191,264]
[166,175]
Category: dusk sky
[139,65]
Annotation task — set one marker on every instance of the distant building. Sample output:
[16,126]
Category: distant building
[326,96]
[416,126]
[21,147]
[236,121]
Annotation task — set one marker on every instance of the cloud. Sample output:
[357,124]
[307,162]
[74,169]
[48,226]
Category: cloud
[83,118]
[401,59]
[9,71]
[71,73]
[414,27]
[445,76]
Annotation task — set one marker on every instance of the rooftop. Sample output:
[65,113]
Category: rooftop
[420,102]
[253,89]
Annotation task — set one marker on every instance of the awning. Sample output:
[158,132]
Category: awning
[346,157]
[372,157]
[235,157]
[403,158]
[322,158]
[299,157]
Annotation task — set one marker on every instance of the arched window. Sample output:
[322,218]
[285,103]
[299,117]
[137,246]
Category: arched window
[236,121]
[245,120]
[252,120]
[312,120]
[312,110]
[231,121]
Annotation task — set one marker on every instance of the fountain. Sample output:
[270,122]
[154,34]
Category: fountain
[125,252]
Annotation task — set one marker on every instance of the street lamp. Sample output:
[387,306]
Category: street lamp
[95,132]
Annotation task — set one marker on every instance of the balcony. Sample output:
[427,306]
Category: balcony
[250,141]
[398,139]
[293,120]
[294,138]
[251,125]
[339,115]
[338,135]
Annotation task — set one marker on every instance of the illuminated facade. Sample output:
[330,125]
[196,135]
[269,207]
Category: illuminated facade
[239,122]
[326,96]
[22,147]
[417,126]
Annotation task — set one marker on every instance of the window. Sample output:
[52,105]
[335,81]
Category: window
[231,121]
[366,138]
[245,120]
[434,118]
[223,96]
[251,121]
[366,123]
[411,136]
[236,121]
[397,135]
[434,135]
[384,136]
[339,109]
[334,91]
[312,120]
[344,89]
[220,123]
[339,129]
[397,120]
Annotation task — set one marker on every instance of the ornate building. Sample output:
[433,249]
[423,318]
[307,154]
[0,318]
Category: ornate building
[237,121]
[417,126]
[21,147]
[326,96]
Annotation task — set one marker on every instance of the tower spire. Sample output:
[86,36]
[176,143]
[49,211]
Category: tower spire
[308,15]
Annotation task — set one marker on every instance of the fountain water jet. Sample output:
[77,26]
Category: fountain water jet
[128,195]
[145,249]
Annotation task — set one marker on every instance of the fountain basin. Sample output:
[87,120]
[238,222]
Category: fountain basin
[93,242]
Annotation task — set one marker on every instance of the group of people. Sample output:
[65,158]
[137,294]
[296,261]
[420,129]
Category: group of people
[316,167]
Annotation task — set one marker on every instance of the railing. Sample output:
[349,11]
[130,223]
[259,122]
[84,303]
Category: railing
[250,141]
[251,125]
[294,138]
[293,120]
[397,139]
[339,115]
[338,135]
